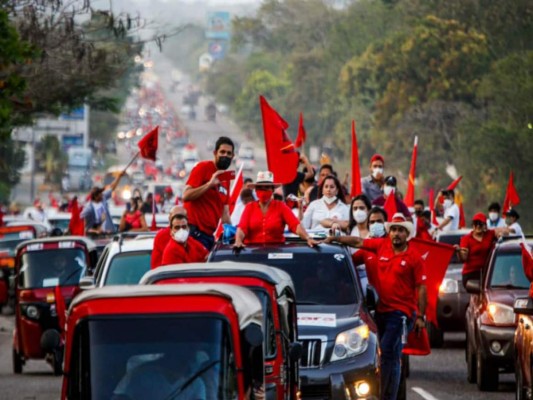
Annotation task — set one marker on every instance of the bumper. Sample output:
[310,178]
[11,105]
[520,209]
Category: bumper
[451,309]
[335,380]
[490,337]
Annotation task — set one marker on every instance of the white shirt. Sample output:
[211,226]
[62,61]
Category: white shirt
[516,228]
[35,215]
[453,213]
[318,210]
[500,223]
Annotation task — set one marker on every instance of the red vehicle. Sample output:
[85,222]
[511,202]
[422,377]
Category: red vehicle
[10,237]
[275,290]
[42,268]
[164,342]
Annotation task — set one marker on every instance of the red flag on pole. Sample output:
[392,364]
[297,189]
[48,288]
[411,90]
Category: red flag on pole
[76,226]
[235,192]
[282,159]
[148,144]
[390,206]
[511,195]
[60,309]
[302,134]
[409,198]
[355,187]
[454,184]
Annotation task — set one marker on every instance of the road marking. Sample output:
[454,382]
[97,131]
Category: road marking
[426,395]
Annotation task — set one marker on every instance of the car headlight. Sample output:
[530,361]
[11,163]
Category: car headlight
[350,343]
[498,314]
[126,194]
[449,286]
[31,311]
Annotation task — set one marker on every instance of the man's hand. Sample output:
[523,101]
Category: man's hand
[214,181]
[419,325]
[312,242]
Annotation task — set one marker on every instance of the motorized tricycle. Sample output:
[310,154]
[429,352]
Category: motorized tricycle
[47,274]
[164,342]
[10,237]
[275,290]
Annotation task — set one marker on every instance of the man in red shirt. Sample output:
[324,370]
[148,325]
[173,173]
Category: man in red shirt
[182,248]
[163,237]
[206,197]
[402,294]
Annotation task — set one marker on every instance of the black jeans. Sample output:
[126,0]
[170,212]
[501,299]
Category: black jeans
[476,275]
[208,241]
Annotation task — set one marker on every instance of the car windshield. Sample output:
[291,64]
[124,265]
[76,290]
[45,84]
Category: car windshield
[128,268]
[158,358]
[319,278]
[59,223]
[508,272]
[10,240]
[48,268]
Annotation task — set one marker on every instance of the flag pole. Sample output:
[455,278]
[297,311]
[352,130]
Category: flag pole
[131,161]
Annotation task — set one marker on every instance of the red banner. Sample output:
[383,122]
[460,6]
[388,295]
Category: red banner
[76,226]
[355,187]
[282,158]
[390,206]
[409,198]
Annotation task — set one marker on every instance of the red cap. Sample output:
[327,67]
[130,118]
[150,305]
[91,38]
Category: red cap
[480,217]
[377,157]
[168,189]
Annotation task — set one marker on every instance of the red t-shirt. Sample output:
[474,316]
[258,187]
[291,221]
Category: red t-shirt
[398,274]
[206,211]
[161,240]
[478,251]
[422,231]
[268,228]
[133,219]
[369,259]
[177,253]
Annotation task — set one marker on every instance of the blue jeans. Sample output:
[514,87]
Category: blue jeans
[390,326]
[208,241]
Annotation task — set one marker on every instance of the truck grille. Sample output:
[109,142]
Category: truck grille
[314,350]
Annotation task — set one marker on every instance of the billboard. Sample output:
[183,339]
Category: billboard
[217,49]
[77,114]
[218,25]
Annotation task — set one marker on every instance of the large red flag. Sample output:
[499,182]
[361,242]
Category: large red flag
[511,195]
[437,257]
[302,134]
[282,158]
[454,184]
[409,198]
[390,206]
[148,144]
[76,226]
[355,187]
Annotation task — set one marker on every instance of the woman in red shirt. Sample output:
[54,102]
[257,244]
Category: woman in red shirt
[133,219]
[264,220]
[475,248]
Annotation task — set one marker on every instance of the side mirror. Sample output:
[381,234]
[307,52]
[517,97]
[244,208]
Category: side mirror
[371,301]
[524,306]
[86,283]
[295,351]
[473,286]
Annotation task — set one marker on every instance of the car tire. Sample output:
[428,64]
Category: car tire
[471,363]
[18,362]
[436,336]
[487,375]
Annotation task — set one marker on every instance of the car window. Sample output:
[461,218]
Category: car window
[508,272]
[319,277]
[128,268]
[269,343]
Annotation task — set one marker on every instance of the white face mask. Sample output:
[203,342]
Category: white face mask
[447,203]
[181,235]
[377,172]
[360,216]
[388,190]
[377,230]
[329,200]
[493,216]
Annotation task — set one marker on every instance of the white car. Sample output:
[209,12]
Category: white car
[123,262]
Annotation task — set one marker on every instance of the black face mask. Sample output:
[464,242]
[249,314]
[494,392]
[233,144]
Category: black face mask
[418,213]
[223,162]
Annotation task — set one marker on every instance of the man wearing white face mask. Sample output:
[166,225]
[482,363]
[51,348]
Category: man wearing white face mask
[372,185]
[182,248]
[390,190]
[451,212]
[495,220]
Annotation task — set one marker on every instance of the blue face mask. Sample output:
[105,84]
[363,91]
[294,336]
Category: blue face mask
[377,230]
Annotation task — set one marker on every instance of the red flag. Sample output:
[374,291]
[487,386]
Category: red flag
[390,206]
[282,159]
[76,226]
[437,256]
[302,135]
[527,264]
[432,207]
[417,344]
[355,187]
[235,192]
[511,195]
[148,144]
[454,184]
[60,309]
[409,198]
